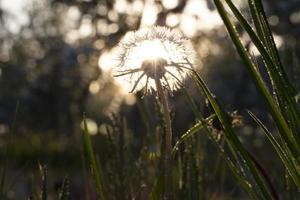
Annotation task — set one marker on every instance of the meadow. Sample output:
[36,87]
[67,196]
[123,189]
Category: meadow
[150,109]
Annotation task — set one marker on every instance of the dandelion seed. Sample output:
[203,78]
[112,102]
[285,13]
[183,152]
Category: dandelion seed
[153,53]
[156,58]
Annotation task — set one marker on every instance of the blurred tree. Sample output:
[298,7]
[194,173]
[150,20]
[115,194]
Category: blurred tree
[55,55]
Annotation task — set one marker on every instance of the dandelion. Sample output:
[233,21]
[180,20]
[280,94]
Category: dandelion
[153,53]
[157,59]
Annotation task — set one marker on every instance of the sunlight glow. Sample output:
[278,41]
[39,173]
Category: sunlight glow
[172,20]
[17,13]
[188,24]
[197,16]
[120,6]
[150,12]
[73,15]
[86,27]
[129,7]
[157,44]
[150,50]
[106,61]
[170,4]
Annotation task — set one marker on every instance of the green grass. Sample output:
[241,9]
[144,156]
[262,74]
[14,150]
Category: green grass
[92,160]
[124,171]
[282,106]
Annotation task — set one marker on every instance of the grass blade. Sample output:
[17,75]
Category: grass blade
[64,191]
[232,139]
[92,159]
[198,126]
[285,156]
[236,169]
[43,170]
[158,188]
[280,83]
[271,104]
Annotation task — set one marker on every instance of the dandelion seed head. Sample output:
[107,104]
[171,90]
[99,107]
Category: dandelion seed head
[153,53]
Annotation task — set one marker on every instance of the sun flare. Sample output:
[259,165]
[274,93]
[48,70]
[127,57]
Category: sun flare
[151,50]
[153,53]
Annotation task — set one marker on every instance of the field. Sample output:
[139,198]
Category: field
[149,100]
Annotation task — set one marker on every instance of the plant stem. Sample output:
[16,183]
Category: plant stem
[168,139]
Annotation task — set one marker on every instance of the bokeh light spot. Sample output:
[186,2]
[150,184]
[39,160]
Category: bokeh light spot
[170,4]
[94,87]
[91,126]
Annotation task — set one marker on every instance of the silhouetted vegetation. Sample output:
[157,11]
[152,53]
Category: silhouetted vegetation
[56,60]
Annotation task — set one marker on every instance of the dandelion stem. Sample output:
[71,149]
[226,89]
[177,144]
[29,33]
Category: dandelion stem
[168,149]
[146,87]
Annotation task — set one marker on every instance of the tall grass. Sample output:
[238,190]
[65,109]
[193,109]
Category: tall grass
[187,173]
[280,101]
[7,149]
[92,160]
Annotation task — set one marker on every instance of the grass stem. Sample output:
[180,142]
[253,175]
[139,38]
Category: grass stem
[168,148]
